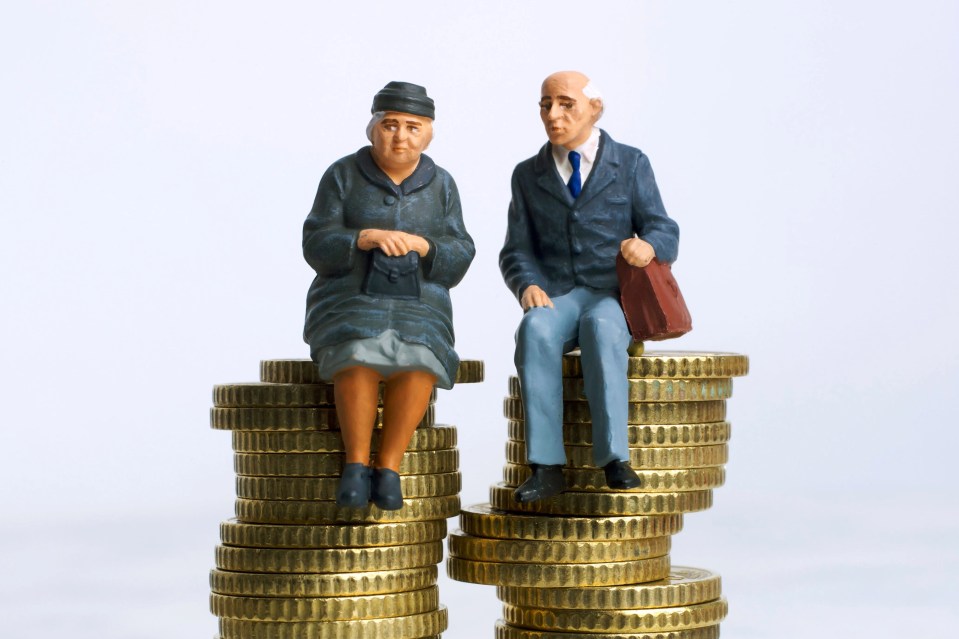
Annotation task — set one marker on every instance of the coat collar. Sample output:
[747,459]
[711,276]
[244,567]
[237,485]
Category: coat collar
[604,172]
[423,175]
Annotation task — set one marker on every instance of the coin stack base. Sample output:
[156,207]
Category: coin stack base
[592,561]
[293,565]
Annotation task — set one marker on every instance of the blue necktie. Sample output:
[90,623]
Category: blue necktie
[575,181]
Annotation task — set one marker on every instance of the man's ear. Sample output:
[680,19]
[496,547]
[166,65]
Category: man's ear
[596,104]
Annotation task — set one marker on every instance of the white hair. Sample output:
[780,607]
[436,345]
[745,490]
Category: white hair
[377,117]
[592,92]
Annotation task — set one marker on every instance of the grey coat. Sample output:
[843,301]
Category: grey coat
[558,242]
[354,194]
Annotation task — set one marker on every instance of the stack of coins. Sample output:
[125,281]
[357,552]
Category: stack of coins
[292,565]
[594,561]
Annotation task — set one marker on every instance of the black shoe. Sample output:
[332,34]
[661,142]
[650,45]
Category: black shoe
[354,488]
[386,490]
[545,482]
[620,476]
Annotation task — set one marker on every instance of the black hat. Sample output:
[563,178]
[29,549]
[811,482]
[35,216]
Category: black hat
[405,98]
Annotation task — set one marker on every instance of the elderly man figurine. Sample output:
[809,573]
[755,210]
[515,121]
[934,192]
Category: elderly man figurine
[576,204]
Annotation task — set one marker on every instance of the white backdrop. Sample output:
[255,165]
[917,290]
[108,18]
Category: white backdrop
[157,160]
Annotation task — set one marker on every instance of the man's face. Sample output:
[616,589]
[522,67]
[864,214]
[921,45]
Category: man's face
[566,112]
[400,138]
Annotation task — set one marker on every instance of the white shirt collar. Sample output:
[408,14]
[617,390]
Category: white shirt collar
[587,151]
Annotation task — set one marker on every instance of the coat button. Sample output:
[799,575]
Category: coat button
[389,199]
[574,216]
[577,248]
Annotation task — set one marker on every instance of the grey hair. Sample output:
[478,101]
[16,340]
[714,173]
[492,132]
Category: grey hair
[592,92]
[377,117]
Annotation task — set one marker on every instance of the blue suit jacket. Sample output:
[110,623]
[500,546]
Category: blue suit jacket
[558,242]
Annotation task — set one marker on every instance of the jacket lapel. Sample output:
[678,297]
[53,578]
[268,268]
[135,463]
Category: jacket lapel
[605,170]
[548,178]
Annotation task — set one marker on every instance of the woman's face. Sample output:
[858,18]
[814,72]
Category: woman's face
[400,138]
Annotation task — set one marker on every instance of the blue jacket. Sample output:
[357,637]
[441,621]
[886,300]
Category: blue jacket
[558,242]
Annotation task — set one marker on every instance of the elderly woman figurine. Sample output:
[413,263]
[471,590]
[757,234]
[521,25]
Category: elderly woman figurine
[386,239]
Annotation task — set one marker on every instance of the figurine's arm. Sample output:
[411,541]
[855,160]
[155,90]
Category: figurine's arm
[517,259]
[328,246]
[656,230]
[450,251]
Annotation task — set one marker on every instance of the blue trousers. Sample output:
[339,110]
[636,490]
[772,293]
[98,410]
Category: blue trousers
[594,321]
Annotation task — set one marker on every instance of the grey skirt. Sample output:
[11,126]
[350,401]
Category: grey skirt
[386,354]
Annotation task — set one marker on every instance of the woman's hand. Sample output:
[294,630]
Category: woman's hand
[393,243]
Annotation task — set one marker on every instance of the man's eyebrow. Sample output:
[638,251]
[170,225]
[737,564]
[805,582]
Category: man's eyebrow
[558,97]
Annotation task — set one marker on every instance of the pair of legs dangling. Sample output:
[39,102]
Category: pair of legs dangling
[356,390]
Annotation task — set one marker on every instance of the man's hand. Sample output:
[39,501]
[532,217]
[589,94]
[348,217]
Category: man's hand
[392,243]
[637,252]
[535,296]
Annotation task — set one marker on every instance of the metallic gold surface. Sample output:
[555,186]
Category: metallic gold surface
[555,575]
[482,520]
[408,627]
[303,371]
[649,390]
[611,503]
[331,441]
[347,584]
[326,560]
[639,412]
[422,462]
[506,631]
[674,364]
[397,604]
[254,394]
[526,551]
[618,621]
[665,458]
[326,512]
[235,533]
[684,586]
[642,436]
[269,419]
[653,481]
[324,488]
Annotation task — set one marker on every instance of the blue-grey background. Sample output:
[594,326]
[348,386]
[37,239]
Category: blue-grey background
[157,160]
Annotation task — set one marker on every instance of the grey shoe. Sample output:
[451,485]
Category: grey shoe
[354,488]
[545,482]
[386,490]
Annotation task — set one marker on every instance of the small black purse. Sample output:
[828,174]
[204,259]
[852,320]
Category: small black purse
[396,277]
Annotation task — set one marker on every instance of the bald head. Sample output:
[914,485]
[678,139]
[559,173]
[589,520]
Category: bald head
[569,107]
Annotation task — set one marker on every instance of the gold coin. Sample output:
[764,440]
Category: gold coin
[313,560]
[303,371]
[406,627]
[324,488]
[527,551]
[483,521]
[641,436]
[649,390]
[675,364]
[639,412]
[326,512]
[585,480]
[555,575]
[268,395]
[667,458]
[506,631]
[347,584]
[422,462]
[396,604]
[290,418]
[611,503]
[683,587]
[235,533]
[432,438]
[618,621]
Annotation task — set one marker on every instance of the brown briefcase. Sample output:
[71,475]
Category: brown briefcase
[652,302]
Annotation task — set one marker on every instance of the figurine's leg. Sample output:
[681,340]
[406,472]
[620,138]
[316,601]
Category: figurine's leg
[404,404]
[543,336]
[355,390]
[603,340]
